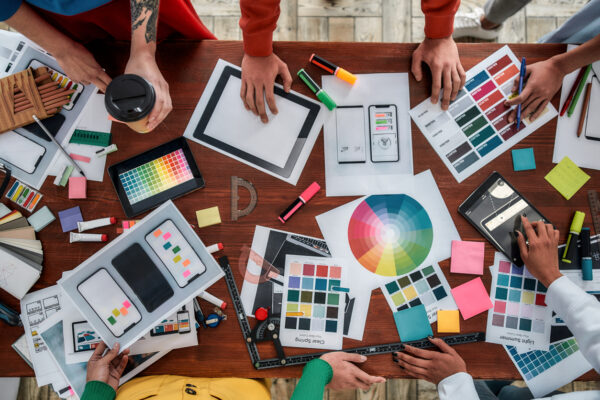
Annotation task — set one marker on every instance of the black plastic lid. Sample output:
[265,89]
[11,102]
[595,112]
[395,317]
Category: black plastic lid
[129,98]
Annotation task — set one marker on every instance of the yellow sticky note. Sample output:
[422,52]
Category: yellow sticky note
[208,216]
[567,178]
[448,321]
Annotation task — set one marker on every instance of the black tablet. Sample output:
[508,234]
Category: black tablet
[495,210]
[149,179]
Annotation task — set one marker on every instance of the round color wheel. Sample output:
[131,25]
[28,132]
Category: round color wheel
[390,235]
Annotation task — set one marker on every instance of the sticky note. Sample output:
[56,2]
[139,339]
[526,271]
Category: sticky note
[69,218]
[41,218]
[412,323]
[467,257]
[77,187]
[4,210]
[448,321]
[471,298]
[208,216]
[523,159]
[567,178]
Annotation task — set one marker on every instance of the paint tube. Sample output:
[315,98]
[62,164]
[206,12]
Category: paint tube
[88,237]
[83,226]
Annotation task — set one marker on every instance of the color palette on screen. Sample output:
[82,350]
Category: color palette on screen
[156,176]
[23,196]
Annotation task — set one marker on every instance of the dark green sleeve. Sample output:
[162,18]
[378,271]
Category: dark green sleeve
[315,376]
[96,390]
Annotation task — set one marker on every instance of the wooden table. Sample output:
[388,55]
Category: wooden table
[187,67]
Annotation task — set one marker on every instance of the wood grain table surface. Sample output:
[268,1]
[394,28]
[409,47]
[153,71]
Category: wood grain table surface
[221,352]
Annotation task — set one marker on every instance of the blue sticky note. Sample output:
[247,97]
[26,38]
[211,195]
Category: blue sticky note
[69,218]
[523,159]
[412,323]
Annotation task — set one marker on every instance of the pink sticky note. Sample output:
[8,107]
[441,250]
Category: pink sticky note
[186,273]
[79,157]
[467,257]
[77,187]
[471,298]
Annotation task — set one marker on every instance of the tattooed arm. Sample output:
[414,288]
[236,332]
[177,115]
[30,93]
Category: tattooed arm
[142,61]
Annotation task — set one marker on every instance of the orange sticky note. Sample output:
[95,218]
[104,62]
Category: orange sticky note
[448,321]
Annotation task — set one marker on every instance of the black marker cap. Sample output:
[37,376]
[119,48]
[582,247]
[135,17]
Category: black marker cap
[129,98]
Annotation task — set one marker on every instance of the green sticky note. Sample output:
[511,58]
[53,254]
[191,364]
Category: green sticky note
[567,178]
[412,323]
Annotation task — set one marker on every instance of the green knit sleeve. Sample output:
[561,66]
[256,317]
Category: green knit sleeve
[315,376]
[96,390]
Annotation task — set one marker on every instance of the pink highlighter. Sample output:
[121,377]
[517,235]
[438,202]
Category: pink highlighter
[299,202]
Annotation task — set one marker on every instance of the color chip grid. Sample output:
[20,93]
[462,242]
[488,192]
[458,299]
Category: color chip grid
[534,363]
[116,312]
[390,235]
[156,176]
[420,287]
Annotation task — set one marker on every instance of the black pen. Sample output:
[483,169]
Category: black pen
[198,312]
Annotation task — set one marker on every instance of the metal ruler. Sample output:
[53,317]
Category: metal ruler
[594,201]
[266,330]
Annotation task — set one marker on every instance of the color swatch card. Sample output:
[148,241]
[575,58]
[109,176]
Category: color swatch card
[176,253]
[313,303]
[475,129]
[520,316]
[426,285]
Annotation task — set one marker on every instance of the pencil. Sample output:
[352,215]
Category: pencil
[572,92]
[579,90]
[586,101]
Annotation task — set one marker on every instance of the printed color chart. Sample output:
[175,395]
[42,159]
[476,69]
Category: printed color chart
[156,176]
[84,336]
[475,129]
[313,303]
[426,285]
[391,234]
[520,316]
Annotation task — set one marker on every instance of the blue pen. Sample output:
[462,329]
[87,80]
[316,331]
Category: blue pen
[521,78]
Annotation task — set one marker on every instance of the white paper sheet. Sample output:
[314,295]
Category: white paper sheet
[232,124]
[368,177]
[466,148]
[583,152]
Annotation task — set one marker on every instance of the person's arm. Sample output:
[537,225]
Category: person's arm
[260,66]
[74,59]
[439,51]
[142,61]
[579,310]
[335,370]
[544,78]
[104,372]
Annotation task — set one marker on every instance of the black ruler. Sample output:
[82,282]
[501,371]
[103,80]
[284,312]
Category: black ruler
[259,363]
[595,209]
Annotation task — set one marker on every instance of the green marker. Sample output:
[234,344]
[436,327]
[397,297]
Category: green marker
[320,93]
[579,90]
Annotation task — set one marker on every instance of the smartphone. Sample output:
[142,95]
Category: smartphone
[383,133]
[183,321]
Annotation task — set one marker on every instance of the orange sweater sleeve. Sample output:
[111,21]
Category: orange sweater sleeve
[439,17]
[258,21]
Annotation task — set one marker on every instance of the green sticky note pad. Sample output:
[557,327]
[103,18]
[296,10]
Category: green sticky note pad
[567,178]
[412,323]
[523,159]
[41,218]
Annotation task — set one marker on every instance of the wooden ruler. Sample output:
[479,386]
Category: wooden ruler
[594,201]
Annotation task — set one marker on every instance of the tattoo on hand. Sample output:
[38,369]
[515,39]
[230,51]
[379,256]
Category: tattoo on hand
[145,11]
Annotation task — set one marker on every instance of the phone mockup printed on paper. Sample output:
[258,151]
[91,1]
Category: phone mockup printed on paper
[383,132]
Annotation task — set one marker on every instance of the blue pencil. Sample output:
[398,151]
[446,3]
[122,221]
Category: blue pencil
[521,78]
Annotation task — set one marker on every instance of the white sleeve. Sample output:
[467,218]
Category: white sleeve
[581,313]
[457,386]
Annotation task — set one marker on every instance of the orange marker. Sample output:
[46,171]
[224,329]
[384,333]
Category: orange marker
[333,69]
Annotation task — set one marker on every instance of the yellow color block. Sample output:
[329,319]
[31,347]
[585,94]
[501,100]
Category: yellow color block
[528,297]
[410,293]
[448,321]
[306,309]
[208,216]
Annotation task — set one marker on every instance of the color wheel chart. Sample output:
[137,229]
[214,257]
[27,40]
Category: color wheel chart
[156,176]
[475,129]
[390,235]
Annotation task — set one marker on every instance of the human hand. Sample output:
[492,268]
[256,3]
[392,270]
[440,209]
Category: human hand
[258,78]
[107,368]
[433,366]
[441,55]
[542,81]
[144,64]
[541,257]
[80,65]
[346,375]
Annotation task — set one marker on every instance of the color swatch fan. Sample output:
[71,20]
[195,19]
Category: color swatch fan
[390,235]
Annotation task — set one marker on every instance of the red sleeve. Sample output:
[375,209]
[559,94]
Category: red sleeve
[439,17]
[258,21]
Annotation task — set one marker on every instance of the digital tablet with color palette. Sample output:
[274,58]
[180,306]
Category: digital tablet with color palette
[313,303]
[475,128]
[155,176]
